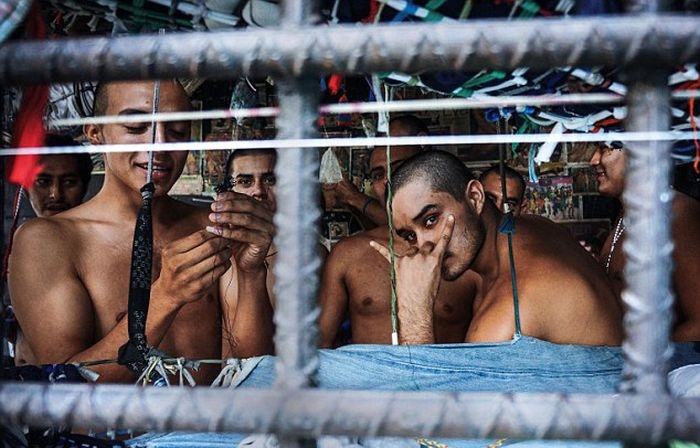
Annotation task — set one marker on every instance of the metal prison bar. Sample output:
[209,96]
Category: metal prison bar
[645,414]
[644,41]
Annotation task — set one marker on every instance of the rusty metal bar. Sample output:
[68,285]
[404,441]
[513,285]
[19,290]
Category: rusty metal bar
[298,212]
[634,418]
[647,246]
[640,41]
[298,268]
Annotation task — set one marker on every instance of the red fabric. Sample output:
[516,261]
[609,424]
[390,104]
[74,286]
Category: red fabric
[28,130]
[598,125]
[373,11]
[334,83]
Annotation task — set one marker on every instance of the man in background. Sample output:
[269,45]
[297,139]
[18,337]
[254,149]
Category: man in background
[371,208]
[609,162]
[515,188]
[62,180]
[443,214]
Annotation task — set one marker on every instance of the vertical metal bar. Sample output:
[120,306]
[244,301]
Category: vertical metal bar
[647,246]
[297,219]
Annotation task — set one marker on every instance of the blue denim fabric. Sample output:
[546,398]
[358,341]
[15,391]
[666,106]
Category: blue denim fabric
[522,365]
[186,440]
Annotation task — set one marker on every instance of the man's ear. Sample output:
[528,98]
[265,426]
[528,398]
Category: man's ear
[475,195]
[93,132]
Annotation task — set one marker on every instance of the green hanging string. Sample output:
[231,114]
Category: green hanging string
[392,254]
[523,129]
[392,262]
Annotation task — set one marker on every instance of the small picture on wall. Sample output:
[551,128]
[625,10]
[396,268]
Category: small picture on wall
[553,198]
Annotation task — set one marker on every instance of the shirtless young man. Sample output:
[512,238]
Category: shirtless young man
[609,161]
[443,213]
[515,188]
[72,304]
[355,281]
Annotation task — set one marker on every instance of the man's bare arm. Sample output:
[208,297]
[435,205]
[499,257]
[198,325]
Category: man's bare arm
[686,273]
[56,311]
[333,296]
[372,209]
[247,225]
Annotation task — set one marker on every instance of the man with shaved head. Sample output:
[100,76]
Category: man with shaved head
[73,305]
[451,226]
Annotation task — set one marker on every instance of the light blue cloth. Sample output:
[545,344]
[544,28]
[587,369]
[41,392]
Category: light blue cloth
[522,365]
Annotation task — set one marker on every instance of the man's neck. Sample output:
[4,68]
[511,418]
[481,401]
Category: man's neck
[487,262]
[127,202]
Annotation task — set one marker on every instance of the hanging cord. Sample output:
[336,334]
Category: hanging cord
[156,101]
[135,353]
[694,126]
[508,227]
[13,227]
[392,272]
[390,222]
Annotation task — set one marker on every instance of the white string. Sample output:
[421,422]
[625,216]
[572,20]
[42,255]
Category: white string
[156,98]
[362,107]
[433,140]
[367,107]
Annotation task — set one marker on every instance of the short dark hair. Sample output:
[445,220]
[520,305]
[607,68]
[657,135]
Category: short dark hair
[413,124]
[82,159]
[443,172]
[509,172]
[99,103]
[100,100]
[247,152]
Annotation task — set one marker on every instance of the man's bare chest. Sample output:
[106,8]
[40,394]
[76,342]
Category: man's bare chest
[104,268]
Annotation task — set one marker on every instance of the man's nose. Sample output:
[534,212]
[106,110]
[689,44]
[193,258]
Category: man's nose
[595,158]
[55,190]
[421,240]
[160,133]
[259,190]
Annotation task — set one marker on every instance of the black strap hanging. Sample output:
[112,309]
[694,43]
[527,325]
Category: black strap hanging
[133,354]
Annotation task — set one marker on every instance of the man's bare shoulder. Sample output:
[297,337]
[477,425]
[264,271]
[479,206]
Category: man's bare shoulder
[47,232]
[359,241]
[686,211]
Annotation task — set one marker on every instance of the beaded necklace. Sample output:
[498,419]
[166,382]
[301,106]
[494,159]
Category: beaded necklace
[619,230]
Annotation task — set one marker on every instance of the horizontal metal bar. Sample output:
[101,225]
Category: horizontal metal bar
[634,418]
[346,142]
[644,40]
